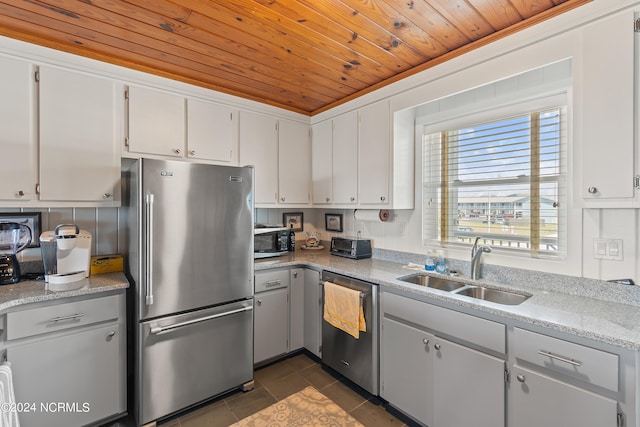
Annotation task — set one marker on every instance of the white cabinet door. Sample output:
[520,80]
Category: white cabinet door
[79,159]
[271,324]
[321,162]
[374,154]
[294,163]
[312,312]
[469,387]
[156,122]
[296,309]
[345,159]
[259,147]
[84,369]
[211,131]
[406,369]
[537,400]
[18,172]
[608,109]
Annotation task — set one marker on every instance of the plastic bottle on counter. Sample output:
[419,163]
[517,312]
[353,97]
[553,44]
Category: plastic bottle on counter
[441,264]
[430,262]
[292,240]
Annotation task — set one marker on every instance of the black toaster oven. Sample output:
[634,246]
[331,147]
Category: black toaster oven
[351,247]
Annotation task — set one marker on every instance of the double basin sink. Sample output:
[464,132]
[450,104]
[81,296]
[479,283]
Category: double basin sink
[459,288]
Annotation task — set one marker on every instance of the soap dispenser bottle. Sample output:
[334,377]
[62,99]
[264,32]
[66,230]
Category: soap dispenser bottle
[441,264]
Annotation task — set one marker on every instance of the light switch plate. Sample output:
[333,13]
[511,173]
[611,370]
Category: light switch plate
[608,249]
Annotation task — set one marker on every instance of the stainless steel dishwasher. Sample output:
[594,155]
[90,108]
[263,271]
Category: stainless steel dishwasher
[356,359]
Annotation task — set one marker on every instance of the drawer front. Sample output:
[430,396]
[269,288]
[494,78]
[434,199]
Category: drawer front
[574,360]
[53,318]
[268,280]
[482,332]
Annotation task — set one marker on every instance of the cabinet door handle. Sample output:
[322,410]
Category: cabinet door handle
[592,190]
[521,378]
[192,152]
[259,302]
[69,317]
[560,358]
[327,199]
[425,341]
[20,193]
[177,150]
[353,199]
[106,195]
[272,283]
[282,199]
[437,346]
[382,198]
[110,335]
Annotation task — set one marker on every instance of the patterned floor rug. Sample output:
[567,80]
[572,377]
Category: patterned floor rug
[306,408]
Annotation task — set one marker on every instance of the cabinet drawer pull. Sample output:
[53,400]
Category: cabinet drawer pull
[106,196]
[560,358]
[425,341]
[63,318]
[272,283]
[592,190]
[437,346]
[521,378]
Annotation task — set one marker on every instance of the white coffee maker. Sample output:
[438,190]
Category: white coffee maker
[66,254]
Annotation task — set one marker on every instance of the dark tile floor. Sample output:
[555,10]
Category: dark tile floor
[279,380]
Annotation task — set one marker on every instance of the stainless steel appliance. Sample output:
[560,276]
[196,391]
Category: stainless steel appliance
[350,247]
[66,254]
[356,359]
[270,240]
[190,261]
[14,237]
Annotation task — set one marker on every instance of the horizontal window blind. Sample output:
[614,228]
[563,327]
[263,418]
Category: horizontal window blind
[502,180]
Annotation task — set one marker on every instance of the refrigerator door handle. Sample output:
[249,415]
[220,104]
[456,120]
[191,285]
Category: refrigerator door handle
[149,243]
[156,330]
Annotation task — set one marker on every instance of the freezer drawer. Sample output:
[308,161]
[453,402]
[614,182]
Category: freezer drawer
[188,358]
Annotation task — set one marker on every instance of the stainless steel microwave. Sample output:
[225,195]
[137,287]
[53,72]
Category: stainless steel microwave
[269,240]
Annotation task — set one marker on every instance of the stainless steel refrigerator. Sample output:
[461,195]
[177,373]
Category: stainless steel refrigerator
[190,262]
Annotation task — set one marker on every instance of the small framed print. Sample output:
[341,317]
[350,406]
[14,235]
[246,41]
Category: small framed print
[293,218]
[333,222]
[30,219]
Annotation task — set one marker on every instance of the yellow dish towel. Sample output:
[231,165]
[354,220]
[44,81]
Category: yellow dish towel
[343,309]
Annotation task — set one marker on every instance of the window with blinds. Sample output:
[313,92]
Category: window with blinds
[502,180]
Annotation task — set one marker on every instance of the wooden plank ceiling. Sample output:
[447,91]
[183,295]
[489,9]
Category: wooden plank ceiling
[306,55]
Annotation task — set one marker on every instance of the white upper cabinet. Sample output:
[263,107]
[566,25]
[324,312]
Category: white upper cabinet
[79,161]
[156,122]
[211,131]
[259,147]
[322,164]
[608,74]
[345,159]
[374,154]
[294,163]
[18,174]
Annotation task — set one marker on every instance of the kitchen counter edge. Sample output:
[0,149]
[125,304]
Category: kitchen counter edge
[612,323]
[34,291]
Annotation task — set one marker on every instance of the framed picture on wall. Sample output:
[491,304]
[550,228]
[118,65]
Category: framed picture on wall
[30,219]
[293,218]
[333,222]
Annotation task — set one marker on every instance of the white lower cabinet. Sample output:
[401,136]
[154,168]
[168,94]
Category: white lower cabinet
[469,387]
[407,369]
[313,312]
[436,381]
[557,383]
[271,315]
[68,362]
[538,400]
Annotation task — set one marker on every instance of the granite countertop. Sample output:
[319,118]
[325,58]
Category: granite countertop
[608,321]
[30,291]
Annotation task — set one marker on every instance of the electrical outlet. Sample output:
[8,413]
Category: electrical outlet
[608,249]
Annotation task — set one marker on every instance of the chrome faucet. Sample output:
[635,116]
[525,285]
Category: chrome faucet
[476,253]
